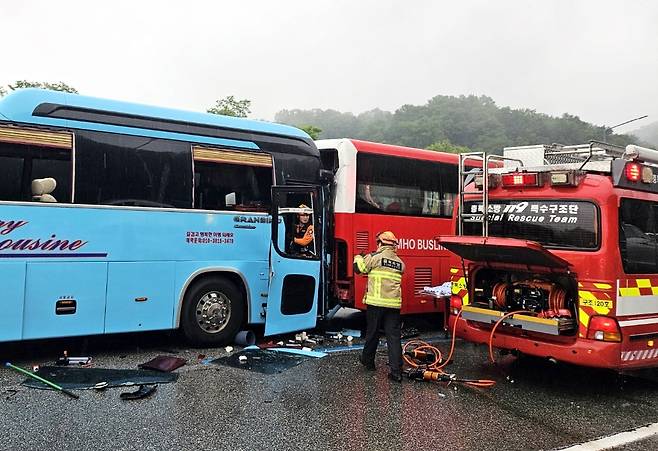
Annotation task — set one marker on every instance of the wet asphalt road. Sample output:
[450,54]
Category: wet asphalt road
[322,404]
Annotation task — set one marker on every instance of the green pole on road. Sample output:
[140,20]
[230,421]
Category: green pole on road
[41,379]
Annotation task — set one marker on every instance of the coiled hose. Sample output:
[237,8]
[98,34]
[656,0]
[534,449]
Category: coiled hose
[434,370]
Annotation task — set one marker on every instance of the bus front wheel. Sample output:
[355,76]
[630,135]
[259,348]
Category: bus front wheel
[213,311]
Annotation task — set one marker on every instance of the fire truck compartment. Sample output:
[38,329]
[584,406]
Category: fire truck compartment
[552,326]
[546,301]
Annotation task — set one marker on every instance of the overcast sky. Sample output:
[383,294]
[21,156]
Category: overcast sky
[597,59]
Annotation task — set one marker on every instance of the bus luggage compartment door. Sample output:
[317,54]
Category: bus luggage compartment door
[12,300]
[294,260]
[64,299]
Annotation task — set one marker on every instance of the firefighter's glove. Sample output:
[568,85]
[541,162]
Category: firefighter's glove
[359,264]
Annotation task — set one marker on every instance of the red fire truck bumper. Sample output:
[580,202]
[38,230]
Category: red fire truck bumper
[579,352]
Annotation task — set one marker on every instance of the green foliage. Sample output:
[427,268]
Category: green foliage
[61,86]
[472,122]
[446,146]
[313,131]
[229,106]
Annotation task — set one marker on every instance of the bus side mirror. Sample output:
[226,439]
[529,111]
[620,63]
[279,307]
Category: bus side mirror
[326,176]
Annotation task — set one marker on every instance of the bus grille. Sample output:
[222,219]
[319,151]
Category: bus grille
[362,239]
[422,279]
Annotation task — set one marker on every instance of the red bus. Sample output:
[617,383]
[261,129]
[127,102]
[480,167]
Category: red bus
[384,187]
[564,265]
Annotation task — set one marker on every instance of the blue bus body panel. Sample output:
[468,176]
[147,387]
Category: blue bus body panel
[283,266]
[135,302]
[19,105]
[48,282]
[119,254]
[13,289]
[277,322]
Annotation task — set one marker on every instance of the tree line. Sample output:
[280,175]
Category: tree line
[445,123]
[454,124]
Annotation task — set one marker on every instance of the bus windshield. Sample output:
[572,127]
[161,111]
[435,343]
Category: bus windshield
[552,223]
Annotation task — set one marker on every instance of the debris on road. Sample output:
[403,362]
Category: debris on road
[66,360]
[304,351]
[144,391]
[245,338]
[266,361]
[41,380]
[73,378]
[163,363]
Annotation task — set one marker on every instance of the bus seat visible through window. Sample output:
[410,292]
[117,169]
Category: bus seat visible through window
[42,189]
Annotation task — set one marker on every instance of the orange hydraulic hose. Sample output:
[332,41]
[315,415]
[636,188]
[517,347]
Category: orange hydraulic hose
[433,371]
[499,293]
[493,331]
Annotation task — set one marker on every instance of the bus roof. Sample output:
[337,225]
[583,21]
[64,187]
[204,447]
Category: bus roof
[402,151]
[44,107]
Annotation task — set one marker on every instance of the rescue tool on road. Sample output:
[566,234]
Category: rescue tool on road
[564,264]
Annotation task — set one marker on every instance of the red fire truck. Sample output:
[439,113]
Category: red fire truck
[384,187]
[564,265]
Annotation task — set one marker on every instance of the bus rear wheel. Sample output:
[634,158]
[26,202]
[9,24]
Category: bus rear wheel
[213,311]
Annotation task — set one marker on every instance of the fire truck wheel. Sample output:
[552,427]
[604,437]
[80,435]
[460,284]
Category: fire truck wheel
[213,311]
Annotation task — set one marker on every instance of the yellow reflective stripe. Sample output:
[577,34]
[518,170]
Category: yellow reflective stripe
[383,302]
[389,275]
[377,282]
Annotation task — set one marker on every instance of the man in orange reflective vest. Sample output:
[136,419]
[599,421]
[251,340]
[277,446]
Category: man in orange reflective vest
[384,300]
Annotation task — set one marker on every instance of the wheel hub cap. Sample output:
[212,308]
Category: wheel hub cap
[213,312]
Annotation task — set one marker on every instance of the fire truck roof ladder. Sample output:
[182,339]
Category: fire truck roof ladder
[468,174]
[582,153]
[583,156]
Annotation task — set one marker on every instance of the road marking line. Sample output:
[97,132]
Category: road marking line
[612,441]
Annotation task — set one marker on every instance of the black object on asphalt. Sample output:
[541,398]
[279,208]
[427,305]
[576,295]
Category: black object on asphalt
[163,363]
[144,391]
[87,378]
[409,332]
[262,360]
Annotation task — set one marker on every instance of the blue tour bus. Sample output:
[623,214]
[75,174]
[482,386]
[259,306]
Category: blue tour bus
[118,217]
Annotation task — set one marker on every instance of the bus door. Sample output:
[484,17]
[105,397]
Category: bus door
[295,259]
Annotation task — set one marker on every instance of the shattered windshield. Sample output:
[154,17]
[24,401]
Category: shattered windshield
[552,223]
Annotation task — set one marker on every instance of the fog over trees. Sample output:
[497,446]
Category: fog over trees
[454,123]
[648,134]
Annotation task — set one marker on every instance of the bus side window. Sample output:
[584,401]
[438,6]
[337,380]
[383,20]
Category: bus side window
[11,181]
[123,170]
[21,164]
[223,186]
[403,186]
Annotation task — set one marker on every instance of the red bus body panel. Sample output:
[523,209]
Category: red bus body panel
[427,263]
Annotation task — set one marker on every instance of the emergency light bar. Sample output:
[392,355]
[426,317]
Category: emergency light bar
[633,172]
[636,172]
[566,178]
[521,179]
